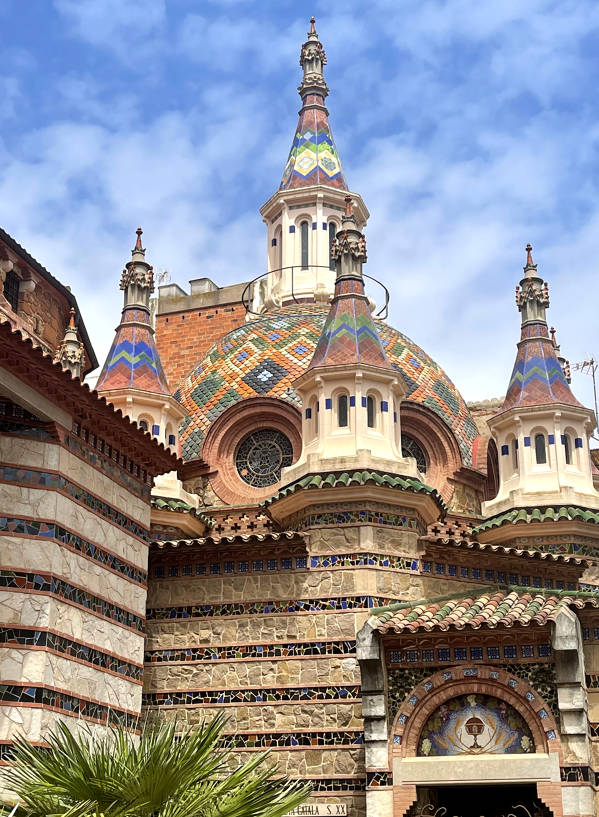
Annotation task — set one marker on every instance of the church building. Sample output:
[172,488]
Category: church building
[276,505]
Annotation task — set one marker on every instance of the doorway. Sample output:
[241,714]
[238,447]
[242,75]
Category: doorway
[508,800]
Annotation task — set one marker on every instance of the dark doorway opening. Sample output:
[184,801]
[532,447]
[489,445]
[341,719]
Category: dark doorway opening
[479,801]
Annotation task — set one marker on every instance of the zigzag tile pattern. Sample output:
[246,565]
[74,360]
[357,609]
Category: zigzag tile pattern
[537,378]
[289,339]
[133,361]
[349,334]
[313,158]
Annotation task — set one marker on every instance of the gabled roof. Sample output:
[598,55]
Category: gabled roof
[31,365]
[55,283]
[490,607]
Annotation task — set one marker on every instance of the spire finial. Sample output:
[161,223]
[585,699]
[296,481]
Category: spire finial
[72,324]
[348,206]
[552,332]
[529,261]
[312,25]
[139,232]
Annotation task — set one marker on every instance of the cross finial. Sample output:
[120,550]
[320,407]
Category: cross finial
[139,232]
[312,25]
[348,206]
[529,261]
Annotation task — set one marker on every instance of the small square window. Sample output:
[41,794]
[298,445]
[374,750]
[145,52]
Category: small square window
[459,653]
[395,656]
[301,562]
[439,568]
[452,570]
[229,567]
[159,572]
[286,564]
[464,572]
[489,575]
[536,581]
[411,656]
[200,570]
[271,564]
[187,570]
[525,581]
[595,633]
[493,653]
[173,570]
[509,651]
[476,573]
[501,577]
[544,650]
[214,569]
[243,567]
[427,567]
[444,654]
[548,584]
[476,653]
[586,633]
[428,655]
[513,578]
[258,565]
[559,584]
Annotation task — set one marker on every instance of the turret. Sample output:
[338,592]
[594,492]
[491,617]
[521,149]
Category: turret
[70,352]
[304,215]
[542,431]
[132,377]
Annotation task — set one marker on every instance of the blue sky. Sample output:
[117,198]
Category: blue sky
[469,127]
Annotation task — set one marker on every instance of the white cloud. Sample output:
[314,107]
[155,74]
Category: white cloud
[122,26]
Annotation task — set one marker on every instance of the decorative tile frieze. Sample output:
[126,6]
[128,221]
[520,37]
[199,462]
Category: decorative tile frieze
[215,652]
[48,479]
[251,695]
[107,460]
[48,698]
[491,652]
[324,515]
[364,560]
[43,639]
[293,740]
[50,530]
[47,583]
[264,608]
[335,784]
[378,778]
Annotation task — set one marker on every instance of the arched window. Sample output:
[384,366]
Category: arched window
[540,449]
[514,446]
[342,411]
[304,244]
[370,411]
[11,289]
[143,424]
[568,449]
[410,448]
[314,408]
[278,253]
[332,234]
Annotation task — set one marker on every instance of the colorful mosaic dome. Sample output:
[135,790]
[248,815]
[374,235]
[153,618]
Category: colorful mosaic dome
[264,357]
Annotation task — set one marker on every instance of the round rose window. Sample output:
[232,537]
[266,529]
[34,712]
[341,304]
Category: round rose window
[261,456]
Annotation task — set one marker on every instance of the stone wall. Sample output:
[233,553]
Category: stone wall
[73,590]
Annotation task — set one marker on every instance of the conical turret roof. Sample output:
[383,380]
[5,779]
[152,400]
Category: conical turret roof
[313,158]
[349,335]
[537,377]
[133,361]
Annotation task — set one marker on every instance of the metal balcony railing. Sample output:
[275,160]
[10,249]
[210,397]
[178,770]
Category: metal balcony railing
[382,313]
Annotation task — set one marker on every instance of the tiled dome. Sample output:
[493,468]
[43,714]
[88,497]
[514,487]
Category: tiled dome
[263,358]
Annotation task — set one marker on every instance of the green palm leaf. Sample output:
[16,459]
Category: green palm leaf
[158,773]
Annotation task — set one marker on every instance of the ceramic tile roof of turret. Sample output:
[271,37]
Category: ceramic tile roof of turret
[349,334]
[313,158]
[133,361]
[537,377]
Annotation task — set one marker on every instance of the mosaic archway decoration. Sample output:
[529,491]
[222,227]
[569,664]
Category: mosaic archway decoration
[475,724]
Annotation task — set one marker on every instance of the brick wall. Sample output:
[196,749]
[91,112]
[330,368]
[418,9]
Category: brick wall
[184,337]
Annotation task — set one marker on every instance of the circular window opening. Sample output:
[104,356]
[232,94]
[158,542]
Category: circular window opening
[261,456]
[410,448]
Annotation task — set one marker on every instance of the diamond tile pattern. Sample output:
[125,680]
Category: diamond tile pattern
[313,158]
[222,377]
[133,361]
[491,609]
[537,377]
[349,334]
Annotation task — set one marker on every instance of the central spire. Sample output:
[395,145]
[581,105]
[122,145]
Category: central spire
[313,158]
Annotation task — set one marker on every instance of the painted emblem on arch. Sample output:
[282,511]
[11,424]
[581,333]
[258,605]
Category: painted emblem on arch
[475,724]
